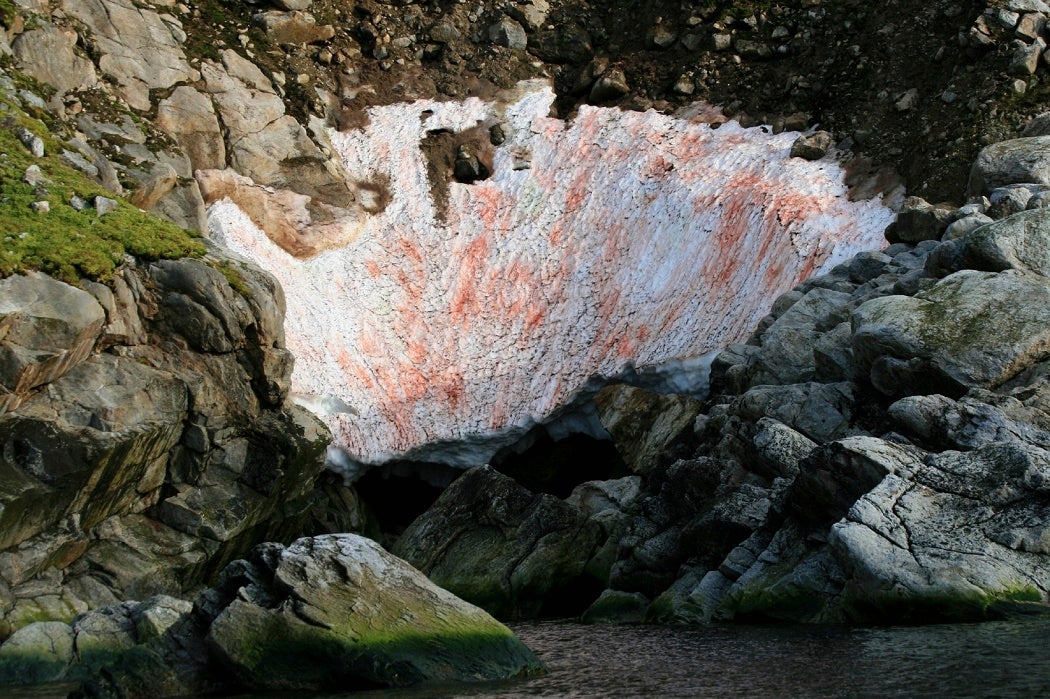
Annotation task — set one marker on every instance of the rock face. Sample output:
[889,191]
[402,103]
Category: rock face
[144,441]
[500,546]
[329,612]
[438,303]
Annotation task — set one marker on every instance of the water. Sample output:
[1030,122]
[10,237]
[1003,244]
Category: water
[994,659]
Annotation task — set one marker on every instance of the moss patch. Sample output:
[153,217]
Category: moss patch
[63,242]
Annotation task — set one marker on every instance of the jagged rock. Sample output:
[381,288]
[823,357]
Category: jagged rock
[971,329]
[47,54]
[532,14]
[611,85]
[607,504]
[189,117]
[46,329]
[835,474]
[1020,242]
[821,412]
[1020,160]
[647,428]
[136,47]
[496,544]
[919,220]
[785,353]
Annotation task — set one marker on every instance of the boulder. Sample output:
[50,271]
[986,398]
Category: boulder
[812,147]
[294,27]
[1020,242]
[971,329]
[47,327]
[1019,160]
[328,612]
[961,538]
[500,546]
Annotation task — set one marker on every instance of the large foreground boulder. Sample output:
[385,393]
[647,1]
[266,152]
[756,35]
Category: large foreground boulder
[330,612]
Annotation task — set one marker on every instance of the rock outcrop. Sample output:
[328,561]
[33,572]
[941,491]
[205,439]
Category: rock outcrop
[145,437]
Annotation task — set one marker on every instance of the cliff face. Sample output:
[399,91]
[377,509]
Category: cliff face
[145,439]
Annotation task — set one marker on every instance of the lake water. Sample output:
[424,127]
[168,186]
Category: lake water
[994,659]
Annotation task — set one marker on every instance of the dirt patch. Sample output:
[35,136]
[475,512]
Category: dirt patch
[464,157]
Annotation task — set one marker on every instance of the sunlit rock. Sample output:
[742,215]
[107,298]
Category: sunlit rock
[440,320]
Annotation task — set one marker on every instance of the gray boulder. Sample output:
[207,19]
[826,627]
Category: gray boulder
[647,428]
[971,329]
[1020,160]
[1020,242]
[324,612]
[47,327]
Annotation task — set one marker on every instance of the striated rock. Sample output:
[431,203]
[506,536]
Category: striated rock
[949,546]
[1020,160]
[138,48]
[264,141]
[971,329]
[500,546]
[669,280]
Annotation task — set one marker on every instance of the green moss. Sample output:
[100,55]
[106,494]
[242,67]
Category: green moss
[233,277]
[890,607]
[66,243]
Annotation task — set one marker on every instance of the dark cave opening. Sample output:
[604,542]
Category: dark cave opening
[556,466]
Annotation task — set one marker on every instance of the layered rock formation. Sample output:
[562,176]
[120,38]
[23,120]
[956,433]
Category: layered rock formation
[452,316]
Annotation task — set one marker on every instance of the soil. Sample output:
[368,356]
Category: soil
[897,83]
